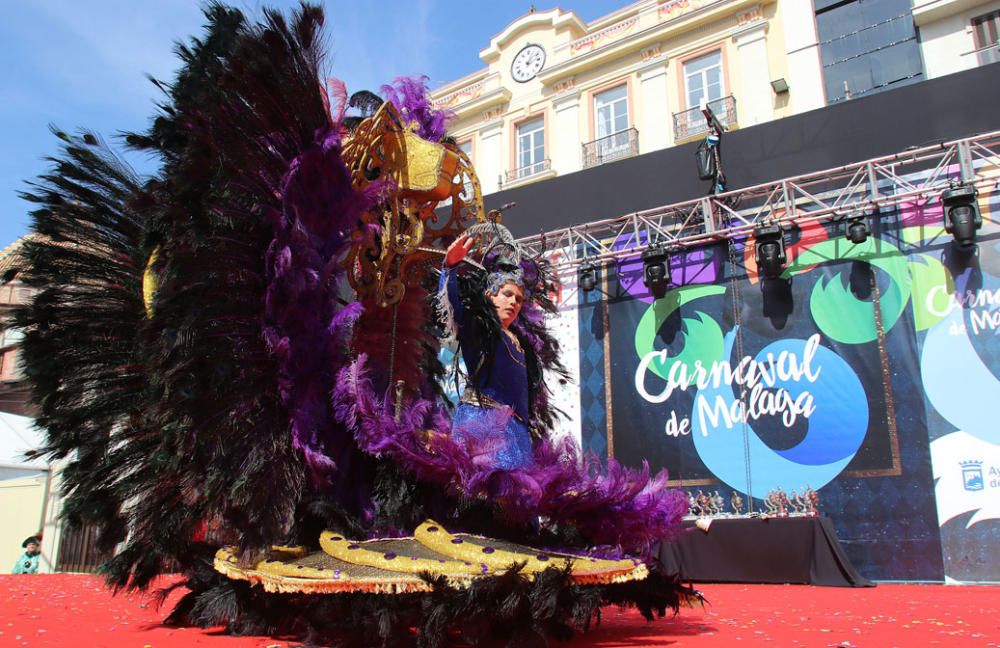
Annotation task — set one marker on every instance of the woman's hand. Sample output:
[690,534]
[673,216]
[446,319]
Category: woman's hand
[458,249]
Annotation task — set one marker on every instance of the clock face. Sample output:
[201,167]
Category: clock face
[527,63]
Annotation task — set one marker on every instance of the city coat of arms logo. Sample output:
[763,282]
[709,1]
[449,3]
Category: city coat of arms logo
[972,475]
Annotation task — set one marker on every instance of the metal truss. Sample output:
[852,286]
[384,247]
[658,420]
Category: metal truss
[871,189]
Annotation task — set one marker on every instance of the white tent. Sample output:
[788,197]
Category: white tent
[18,435]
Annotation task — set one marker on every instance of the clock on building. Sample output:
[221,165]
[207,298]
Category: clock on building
[527,63]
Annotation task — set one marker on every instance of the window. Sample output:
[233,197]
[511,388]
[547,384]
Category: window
[10,365]
[703,79]
[615,139]
[611,112]
[986,29]
[530,148]
[10,337]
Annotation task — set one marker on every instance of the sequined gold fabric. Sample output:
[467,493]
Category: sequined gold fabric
[423,162]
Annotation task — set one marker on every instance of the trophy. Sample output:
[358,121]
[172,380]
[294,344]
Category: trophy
[718,503]
[736,502]
[703,503]
[793,508]
[782,503]
[771,502]
[799,503]
[812,501]
[712,506]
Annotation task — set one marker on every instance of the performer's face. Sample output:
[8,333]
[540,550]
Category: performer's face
[508,301]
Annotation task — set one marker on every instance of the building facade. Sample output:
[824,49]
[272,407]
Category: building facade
[559,95]
[13,389]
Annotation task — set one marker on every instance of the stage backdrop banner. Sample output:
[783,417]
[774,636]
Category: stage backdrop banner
[865,372]
[957,299]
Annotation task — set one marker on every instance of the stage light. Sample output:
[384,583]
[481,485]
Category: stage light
[856,229]
[961,215]
[587,279]
[655,270]
[770,250]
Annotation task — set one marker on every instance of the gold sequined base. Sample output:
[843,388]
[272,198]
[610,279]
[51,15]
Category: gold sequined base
[399,565]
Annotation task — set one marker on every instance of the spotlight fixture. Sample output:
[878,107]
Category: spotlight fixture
[856,229]
[655,270]
[587,279]
[779,86]
[770,250]
[705,160]
[961,215]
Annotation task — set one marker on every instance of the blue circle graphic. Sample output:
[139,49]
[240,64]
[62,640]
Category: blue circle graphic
[837,426]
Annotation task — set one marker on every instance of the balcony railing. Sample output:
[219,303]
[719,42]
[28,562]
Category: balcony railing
[527,171]
[613,147]
[985,55]
[690,123]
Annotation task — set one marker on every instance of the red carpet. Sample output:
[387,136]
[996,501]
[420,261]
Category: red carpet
[75,610]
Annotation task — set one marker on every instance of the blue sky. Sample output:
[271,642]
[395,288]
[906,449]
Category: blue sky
[85,64]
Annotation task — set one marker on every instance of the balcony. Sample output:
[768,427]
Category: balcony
[691,123]
[619,145]
[514,176]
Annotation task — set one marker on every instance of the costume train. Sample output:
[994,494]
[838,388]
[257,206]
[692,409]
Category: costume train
[237,359]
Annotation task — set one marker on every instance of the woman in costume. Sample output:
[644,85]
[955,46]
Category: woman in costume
[492,415]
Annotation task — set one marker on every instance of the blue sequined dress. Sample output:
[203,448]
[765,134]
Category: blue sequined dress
[492,415]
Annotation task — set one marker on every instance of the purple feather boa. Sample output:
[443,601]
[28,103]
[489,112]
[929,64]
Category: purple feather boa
[617,506]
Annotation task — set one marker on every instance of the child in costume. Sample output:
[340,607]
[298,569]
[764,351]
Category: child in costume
[27,563]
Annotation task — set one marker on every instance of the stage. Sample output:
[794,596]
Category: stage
[75,610]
